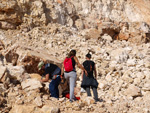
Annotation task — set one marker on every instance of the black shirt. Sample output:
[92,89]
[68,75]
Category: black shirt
[49,69]
[89,67]
[73,62]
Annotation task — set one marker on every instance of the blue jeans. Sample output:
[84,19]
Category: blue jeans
[53,86]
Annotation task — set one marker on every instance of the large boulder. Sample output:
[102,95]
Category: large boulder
[23,109]
[30,58]
[35,76]
[91,33]
[31,84]
[50,109]
[133,91]
[16,72]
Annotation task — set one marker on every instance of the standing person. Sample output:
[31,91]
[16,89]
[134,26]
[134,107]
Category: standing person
[90,81]
[70,72]
[51,71]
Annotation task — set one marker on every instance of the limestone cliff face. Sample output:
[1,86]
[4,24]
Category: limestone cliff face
[76,13]
[141,11]
[10,16]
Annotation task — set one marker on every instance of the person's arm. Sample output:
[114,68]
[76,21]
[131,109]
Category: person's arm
[82,73]
[95,72]
[79,65]
[62,69]
[46,78]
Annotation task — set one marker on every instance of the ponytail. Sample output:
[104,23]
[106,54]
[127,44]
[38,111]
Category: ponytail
[72,53]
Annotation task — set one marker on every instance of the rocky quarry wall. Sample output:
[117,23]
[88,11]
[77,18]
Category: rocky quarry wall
[115,32]
[120,19]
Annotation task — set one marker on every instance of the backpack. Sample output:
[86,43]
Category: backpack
[88,66]
[68,64]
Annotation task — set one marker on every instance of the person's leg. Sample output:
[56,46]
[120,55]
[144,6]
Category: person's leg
[72,80]
[53,87]
[88,91]
[95,93]
[57,80]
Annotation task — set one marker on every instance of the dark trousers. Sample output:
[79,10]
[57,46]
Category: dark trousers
[94,92]
[53,87]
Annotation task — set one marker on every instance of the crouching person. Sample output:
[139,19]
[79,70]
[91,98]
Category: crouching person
[51,71]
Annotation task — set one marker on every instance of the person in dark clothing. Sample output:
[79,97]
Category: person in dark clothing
[51,71]
[90,81]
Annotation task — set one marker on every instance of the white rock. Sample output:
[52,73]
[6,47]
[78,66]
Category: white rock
[144,27]
[119,55]
[140,75]
[88,100]
[107,37]
[38,101]
[147,73]
[147,64]
[31,84]
[131,62]
[108,77]
[133,91]
[102,85]
[49,109]
[137,81]
[16,71]
[2,36]
[146,87]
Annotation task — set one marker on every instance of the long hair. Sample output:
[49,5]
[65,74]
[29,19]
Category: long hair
[72,53]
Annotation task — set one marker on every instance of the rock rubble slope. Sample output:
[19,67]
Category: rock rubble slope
[116,33]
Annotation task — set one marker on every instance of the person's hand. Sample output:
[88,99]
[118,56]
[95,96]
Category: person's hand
[86,73]
[41,81]
[61,76]
[54,77]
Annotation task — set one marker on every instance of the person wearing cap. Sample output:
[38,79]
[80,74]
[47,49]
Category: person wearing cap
[51,71]
[90,81]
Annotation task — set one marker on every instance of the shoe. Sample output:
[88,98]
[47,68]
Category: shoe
[74,99]
[71,101]
[98,100]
